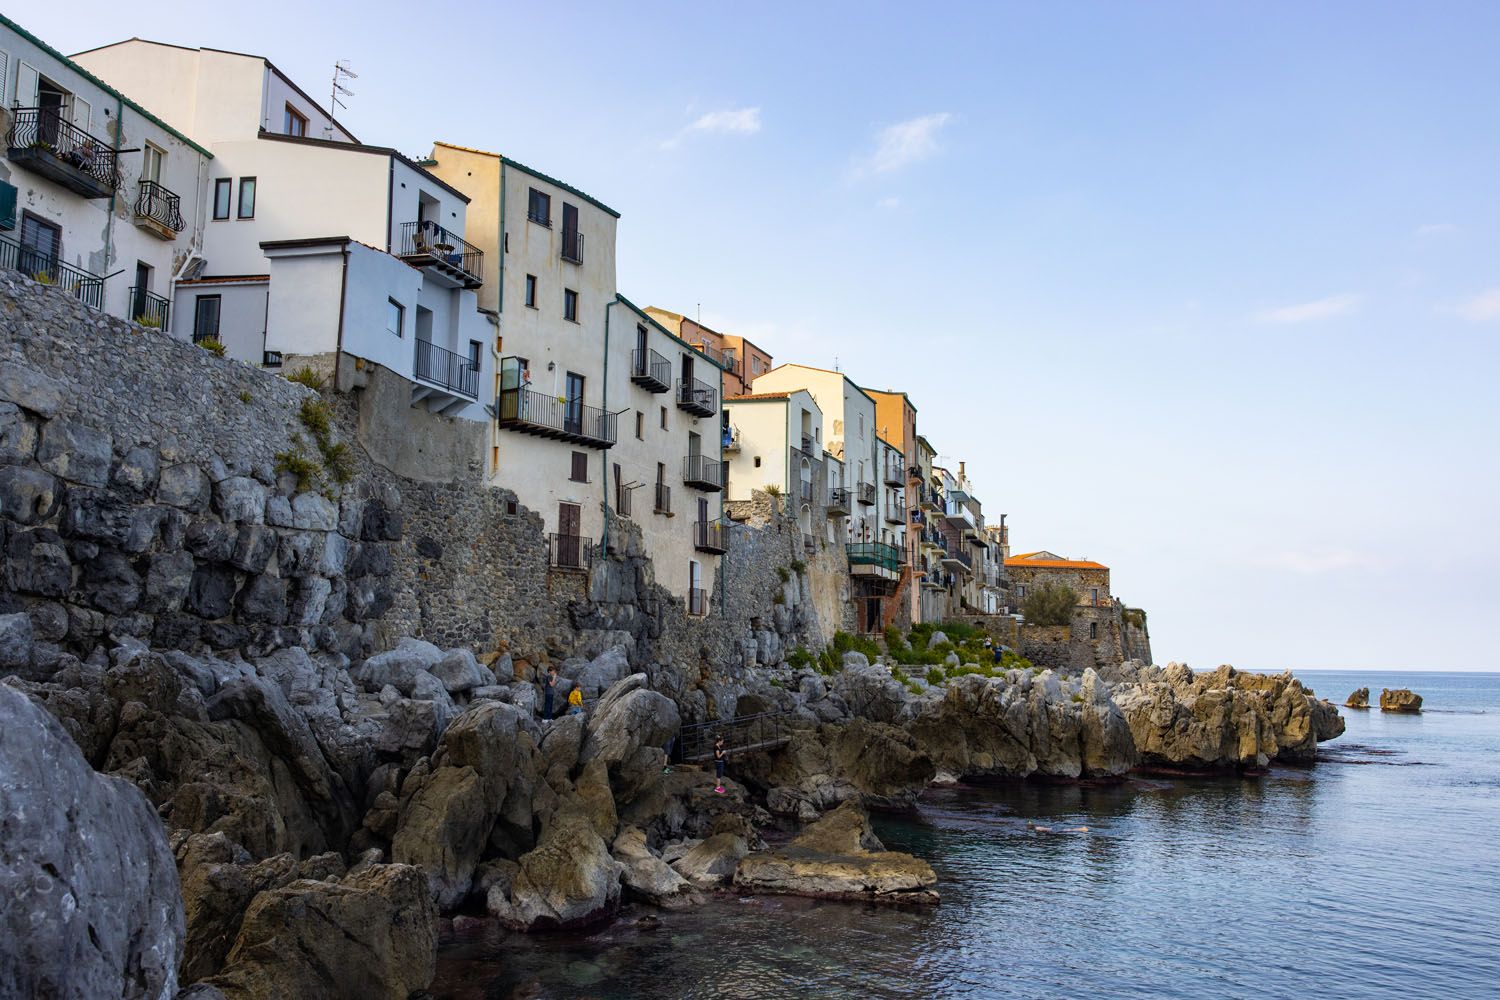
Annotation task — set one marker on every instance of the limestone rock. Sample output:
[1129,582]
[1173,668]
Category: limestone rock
[871,692]
[569,880]
[649,878]
[628,729]
[712,863]
[1358,698]
[459,671]
[1400,700]
[92,907]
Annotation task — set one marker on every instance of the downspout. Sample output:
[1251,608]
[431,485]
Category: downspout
[500,252]
[390,210]
[109,223]
[338,350]
[604,410]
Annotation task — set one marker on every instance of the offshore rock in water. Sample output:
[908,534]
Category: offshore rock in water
[1359,698]
[1400,700]
[839,857]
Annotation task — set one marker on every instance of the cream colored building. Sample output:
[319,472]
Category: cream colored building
[597,404]
[780,447]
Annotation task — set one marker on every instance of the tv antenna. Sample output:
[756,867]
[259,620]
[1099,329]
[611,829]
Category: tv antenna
[341,72]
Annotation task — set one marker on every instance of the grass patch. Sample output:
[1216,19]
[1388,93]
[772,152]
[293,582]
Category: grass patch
[245,396]
[306,376]
[212,345]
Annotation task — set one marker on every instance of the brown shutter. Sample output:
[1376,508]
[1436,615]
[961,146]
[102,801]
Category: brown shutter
[580,466]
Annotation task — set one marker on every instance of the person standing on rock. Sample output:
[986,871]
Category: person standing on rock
[548,686]
[575,701]
[720,755]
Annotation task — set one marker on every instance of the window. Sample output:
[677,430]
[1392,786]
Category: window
[580,473]
[663,418]
[1094,595]
[247,198]
[221,197]
[539,208]
[531,290]
[41,243]
[1093,630]
[570,305]
[757,461]
[294,122]
[640,426]
[206,318]
[395,317]
[151,158]
[475,355]
[1020,590]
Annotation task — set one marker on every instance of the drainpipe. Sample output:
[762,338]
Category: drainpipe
[338,350]
[109,223]
[604,409]
[500,252]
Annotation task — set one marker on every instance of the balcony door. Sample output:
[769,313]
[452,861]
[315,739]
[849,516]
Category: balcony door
[41,244]
[569,535]
[138,302]
[573,414]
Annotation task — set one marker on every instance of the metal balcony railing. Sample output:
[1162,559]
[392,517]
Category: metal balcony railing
[572,552]
[159,205]
[43,140]
[731,439]
[866,494]
[895,512]
[712,353]
[48,270]
[697,397]
[838,502]
[877,554]
[708,536]
[148,309]
[697,601]
[808,444]
[622,501]
[572,246]
[703,472]
[663,498]
[650,370]
[427,244]
[443,367]
[894,474]
[547,416]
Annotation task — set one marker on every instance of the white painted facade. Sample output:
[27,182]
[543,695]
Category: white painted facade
[775,429]
[115,236]
[892,506]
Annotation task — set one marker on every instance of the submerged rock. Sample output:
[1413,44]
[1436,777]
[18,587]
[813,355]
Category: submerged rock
[1400,700]
[839,857]
[1359,698]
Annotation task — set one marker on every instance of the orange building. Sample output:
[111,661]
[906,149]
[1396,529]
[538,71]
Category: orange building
[741,359]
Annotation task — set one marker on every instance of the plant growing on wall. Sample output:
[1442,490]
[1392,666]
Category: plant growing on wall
[1049,604]
[1134,617]
[306,376]
[212,345]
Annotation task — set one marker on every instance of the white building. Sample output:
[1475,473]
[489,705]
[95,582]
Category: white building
[316,244]
[98,195]
[602,412]
[780,451]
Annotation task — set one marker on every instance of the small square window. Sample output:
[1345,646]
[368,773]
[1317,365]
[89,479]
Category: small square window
[247,198]
[531,290]
[570,305]
[539,208]
[395,317]
[294,122]
[223,193]
[511,507]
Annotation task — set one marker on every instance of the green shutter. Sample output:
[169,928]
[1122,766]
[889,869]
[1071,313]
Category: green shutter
[7,206]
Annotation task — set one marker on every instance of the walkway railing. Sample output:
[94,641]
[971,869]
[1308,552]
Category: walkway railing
[743,734]
[47,269]
[443,367]
[148,309]
[426,242]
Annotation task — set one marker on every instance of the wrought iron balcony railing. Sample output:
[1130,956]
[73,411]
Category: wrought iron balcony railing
[894,473]
[805,490]
[808,444]
[731,438]
[663,498]
[547,416]
[159,205]
[443,367]
[866,494]
[148,309]
[697,397]
[571,552]
[708,536]
[572,246]
[427,244]
[650,370]
[838,502]
[703,472]
[43,140]
[48,270]
[895,512]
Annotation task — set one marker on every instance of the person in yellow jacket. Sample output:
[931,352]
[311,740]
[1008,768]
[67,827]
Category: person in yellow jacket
[575,702]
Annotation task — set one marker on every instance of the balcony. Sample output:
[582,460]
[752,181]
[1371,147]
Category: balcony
[930,500]
[622,501]
[650,370]
[48,270]
[731,439]
[572,246]
[703,472]
[708,536]
[724,359]
[866,494]
[895,513]
[663,499]
[445,382]
[148,309]
[893,473]
[158,211]
[46,143]
[444,254]
[957,560]
[838,502]
[570,552]
[874,559]
[809,446]
[697,397]
[563,420]
[959,515]
[697,602]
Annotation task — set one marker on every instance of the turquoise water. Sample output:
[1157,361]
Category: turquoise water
[1376,874]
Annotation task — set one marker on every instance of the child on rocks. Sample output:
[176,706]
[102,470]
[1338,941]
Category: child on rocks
[575,702]
[720,754]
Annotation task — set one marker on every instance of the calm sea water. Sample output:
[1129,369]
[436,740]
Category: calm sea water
[1376,874]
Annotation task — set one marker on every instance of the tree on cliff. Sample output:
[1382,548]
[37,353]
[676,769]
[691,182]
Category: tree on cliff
[1049,604]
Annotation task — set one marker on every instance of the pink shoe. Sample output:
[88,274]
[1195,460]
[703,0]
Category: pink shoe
[719,789]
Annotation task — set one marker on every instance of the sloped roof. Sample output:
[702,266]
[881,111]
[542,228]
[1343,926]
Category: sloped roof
[1051,560]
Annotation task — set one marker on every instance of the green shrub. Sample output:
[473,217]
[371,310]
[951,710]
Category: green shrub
[935,675]
[778,598]
[827,664]
[800,658]
[317,417]
[1050,604]
[296,461]
[913,687]
[784,573]
[245,396]
[1134,617]
[212,345]
[798,566]
[306,376]
[843,643]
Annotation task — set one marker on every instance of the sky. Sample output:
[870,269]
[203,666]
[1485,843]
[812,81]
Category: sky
[1208,292]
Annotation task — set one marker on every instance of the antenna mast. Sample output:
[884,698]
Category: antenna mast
[341,72]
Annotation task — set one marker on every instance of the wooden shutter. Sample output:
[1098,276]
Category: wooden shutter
[83,113]
[28,81]
[4,76]
[580,467]
[569,519]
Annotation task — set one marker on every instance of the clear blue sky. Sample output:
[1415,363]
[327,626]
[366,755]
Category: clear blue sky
[1207,292]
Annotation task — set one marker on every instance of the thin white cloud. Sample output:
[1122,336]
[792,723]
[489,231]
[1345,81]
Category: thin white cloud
[904,143]
[888,203]
[730,121]
[1482,308]
[1437,229]
[1311,312]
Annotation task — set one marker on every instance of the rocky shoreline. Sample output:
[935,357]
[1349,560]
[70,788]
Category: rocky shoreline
[285,796]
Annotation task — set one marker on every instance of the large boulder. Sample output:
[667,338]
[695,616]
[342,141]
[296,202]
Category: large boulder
[372,934]
[92,907]
[1400,700]
[877,764]
[647,877]
[872,693]
[628,730]
[1358,698]
[839,857]
[596,676]
[569,880]
[711,863]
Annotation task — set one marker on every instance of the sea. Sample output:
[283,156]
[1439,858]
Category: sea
[1374,874]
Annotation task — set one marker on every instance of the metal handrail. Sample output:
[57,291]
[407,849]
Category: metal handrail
[548,413]
[694,392]
[572,246]
[148,309]
[742,734]
[570,551]
[426,239]
[708,536]
[445,368]
[47,129]
[702,469]
[48,270]
[647,364]
[838,498]
[160,205]
[867,493]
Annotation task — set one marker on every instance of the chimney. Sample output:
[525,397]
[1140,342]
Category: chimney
[960,472]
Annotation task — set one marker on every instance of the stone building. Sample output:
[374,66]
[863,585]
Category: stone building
[1089,580]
